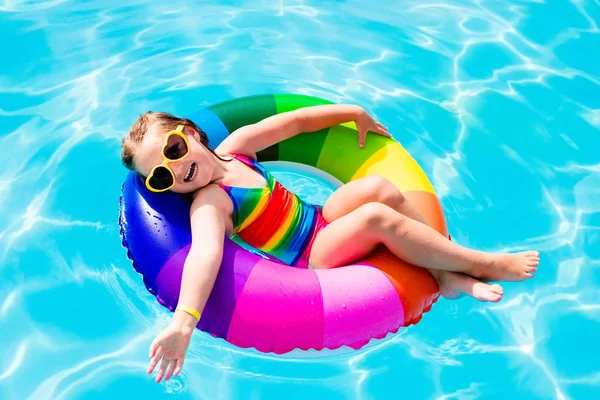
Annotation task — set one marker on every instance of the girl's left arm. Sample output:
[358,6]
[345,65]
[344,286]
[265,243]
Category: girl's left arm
[250,139]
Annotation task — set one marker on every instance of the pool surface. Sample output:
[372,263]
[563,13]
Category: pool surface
[498,101]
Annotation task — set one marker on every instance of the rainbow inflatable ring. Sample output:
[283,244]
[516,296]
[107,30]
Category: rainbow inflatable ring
[261,303]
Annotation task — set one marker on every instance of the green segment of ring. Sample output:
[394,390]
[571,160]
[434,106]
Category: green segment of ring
[334,150]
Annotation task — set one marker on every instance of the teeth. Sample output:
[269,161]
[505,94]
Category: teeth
[191,173]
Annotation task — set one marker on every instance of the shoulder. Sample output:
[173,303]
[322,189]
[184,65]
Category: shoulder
[235,143]
[211,211]
[212,195]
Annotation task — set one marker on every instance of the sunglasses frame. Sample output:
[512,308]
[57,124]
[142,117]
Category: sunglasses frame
[179,132]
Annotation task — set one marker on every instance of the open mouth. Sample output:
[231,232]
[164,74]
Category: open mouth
[191,174]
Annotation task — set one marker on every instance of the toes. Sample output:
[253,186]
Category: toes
[533,263]
[532,255]
[532,258]
[497,289]
[496,298]
[486,292]
[493,293]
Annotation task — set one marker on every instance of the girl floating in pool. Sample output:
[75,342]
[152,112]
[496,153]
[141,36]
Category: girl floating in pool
[230,189]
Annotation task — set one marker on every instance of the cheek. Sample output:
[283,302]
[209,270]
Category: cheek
[182,188]
[198,155]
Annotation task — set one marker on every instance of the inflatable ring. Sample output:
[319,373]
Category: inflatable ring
[261,303]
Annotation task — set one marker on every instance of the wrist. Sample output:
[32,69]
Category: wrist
[358,110]
[184,321]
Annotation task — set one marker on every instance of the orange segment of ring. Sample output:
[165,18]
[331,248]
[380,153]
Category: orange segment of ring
[431,209]
[416,286]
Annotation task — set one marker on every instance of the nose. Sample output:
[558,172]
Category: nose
[179,169]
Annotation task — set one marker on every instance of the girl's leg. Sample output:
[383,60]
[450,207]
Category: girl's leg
[377,189]
[371,189]
[356,234]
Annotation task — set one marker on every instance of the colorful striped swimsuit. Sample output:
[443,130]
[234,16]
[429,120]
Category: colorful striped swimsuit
[273,219]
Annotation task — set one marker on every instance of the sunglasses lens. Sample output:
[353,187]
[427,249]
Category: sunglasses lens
[161,179]
[176,148]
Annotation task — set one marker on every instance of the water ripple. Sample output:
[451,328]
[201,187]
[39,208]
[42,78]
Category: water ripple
[498,102]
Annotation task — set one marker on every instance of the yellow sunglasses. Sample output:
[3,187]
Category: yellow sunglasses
[175,148]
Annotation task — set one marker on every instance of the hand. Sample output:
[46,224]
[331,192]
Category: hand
[364,124]
[170,346]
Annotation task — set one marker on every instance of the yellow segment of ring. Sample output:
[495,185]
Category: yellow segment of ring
[394,163]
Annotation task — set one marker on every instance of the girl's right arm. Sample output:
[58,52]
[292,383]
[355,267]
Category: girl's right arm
[209,214]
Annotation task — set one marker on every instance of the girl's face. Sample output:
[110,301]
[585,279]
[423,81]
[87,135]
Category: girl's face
[193,172]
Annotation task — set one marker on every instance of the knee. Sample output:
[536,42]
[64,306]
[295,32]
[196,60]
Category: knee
[379,217]
[384,190]
[373,214]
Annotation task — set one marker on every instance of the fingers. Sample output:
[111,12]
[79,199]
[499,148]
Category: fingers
[153,362]
[382,129]
[171,367]
[362,134]
[153,347]
[380,125]
[163,366]
[170,370]
[376,128]
[178,367]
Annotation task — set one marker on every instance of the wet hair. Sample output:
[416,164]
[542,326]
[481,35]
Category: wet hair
[166,122]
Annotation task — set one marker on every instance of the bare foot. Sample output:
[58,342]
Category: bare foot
[508,267]
[454,285]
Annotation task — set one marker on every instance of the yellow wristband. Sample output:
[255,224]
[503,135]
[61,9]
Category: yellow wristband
[190,311]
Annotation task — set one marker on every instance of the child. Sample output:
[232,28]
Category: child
[173,154]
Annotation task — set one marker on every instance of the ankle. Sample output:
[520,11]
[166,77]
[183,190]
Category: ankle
[485,263]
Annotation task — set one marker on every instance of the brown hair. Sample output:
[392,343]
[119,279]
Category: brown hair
[166,122]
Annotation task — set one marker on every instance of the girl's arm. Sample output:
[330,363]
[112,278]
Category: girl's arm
[250,139]
[208,214]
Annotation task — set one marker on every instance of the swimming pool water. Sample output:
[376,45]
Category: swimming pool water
[498,101]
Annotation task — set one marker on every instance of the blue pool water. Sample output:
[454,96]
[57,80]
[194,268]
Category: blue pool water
[499,102]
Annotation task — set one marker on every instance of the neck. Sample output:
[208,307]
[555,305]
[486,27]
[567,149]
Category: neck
[220,168]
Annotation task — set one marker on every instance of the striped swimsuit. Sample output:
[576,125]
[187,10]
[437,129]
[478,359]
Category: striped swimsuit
[273,219]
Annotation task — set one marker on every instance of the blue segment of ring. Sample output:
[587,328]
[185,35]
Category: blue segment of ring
[211,124]
[170,226]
